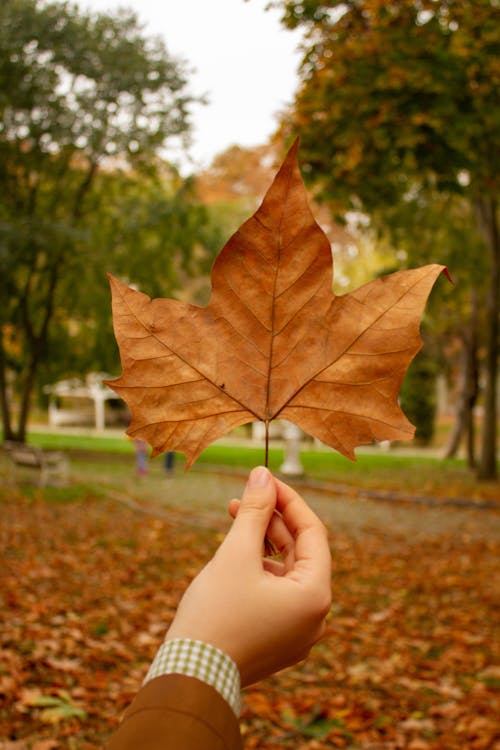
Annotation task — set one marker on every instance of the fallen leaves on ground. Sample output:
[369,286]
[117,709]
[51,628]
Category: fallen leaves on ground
[88,587]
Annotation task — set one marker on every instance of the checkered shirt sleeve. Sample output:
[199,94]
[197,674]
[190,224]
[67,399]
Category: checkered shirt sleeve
[200,660]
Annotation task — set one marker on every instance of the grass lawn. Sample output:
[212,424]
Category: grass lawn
[396,470]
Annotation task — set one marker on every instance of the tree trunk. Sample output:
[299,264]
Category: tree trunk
[486,212]
[458,430]
[4,401]
[35,344]
[472,379]
[464,422]
[20,433]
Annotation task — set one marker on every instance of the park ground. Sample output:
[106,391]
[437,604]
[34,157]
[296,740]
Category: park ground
[92,573]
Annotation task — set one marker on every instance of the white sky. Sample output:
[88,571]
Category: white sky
[243,59]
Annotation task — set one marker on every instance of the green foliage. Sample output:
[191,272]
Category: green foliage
[418,396]
[95,85]
[55,709]
[397,91]
[436,227]
[86,102]
[148,230]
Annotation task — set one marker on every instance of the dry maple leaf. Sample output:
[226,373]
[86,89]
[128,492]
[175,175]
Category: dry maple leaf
[274,340]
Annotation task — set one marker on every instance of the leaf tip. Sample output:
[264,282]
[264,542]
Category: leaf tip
[448,275]
[293,150]
[189,461]
[114,283]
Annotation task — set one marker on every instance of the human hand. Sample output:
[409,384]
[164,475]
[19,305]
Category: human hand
[265,614]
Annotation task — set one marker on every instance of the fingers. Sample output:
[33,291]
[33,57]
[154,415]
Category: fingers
[312,551]
[254,512]
[294,508]
[278,534]
[284,542]
[275,567]
[297,531]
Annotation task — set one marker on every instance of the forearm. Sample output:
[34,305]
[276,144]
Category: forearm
[178,711]
[208,664]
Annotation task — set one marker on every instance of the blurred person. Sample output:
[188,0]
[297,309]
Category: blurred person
[141,457]
[169,462]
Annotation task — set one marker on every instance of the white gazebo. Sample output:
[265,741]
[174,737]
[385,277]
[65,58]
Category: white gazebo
[83,402]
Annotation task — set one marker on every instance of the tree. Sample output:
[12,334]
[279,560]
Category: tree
[233,185]
[149,230]
[239,174]
[402,94]
[78,93]
[422,225]
[418,399]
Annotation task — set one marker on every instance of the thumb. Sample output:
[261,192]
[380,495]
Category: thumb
[255,511]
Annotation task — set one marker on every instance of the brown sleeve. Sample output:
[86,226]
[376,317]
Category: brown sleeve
[176,711]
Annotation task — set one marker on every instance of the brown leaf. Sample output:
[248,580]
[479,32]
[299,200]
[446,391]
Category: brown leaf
[274,340]
[64,665]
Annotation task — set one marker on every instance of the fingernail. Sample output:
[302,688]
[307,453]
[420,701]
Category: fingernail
[259,477]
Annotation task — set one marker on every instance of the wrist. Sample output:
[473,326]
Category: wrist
[195,658]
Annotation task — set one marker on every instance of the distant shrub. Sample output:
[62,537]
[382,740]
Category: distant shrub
[418,396]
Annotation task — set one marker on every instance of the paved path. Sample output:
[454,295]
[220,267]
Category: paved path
[201,497]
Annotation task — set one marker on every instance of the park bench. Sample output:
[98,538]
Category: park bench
[52,466]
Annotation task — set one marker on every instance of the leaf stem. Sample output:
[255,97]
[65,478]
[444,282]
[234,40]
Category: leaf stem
[266,462]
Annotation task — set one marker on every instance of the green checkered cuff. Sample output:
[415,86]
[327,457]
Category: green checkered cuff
[200,660]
